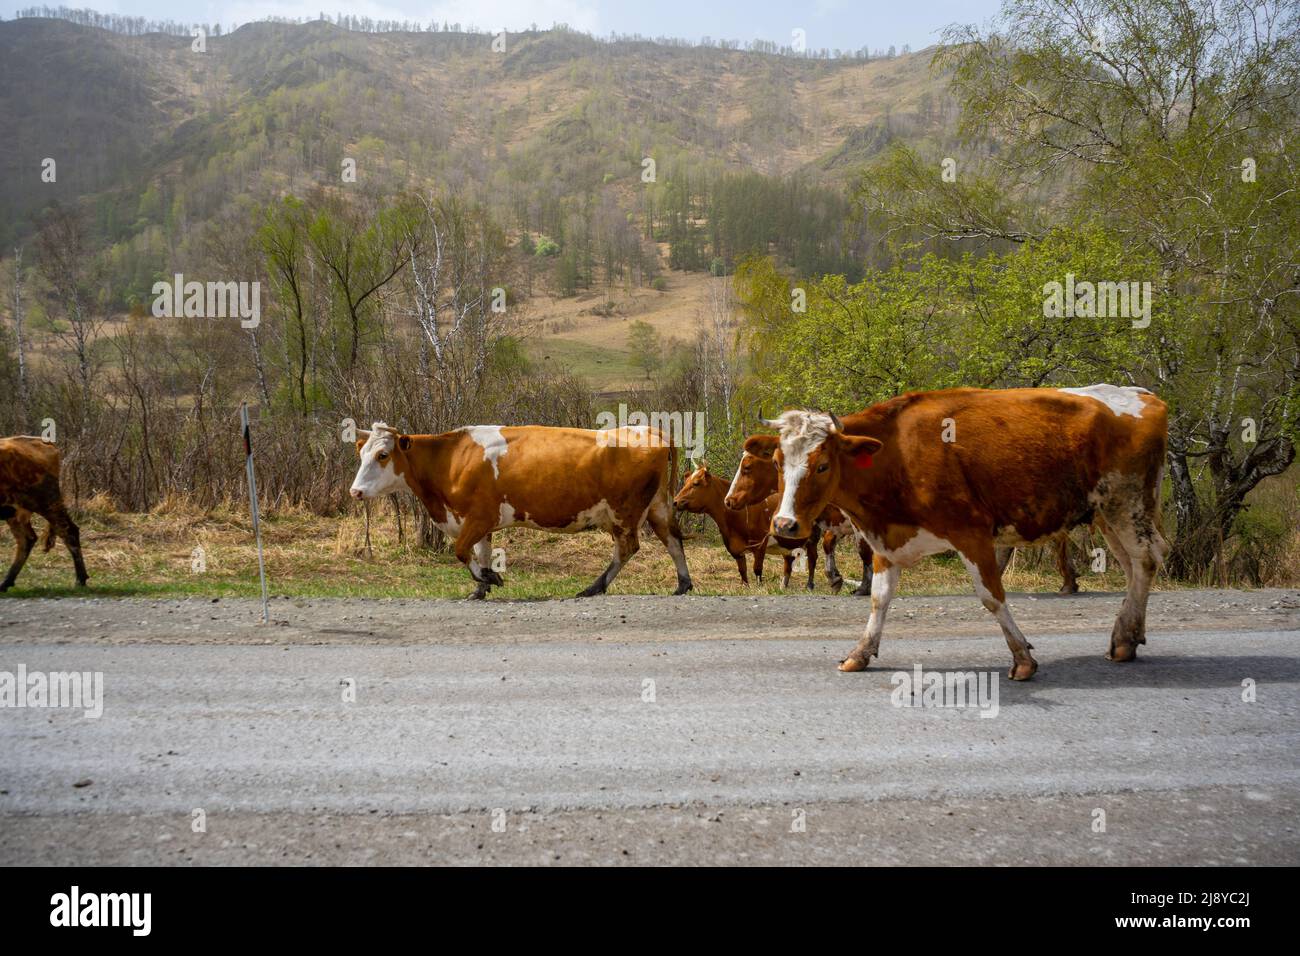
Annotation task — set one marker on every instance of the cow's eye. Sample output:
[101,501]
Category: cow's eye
[382,455]
[822,467]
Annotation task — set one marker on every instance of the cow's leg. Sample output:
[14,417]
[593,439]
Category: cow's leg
[760,553]
[666,530]
[981,562]
[61,524]
[740,563]
[626,544]
[483,557]
[1143,548]
[786,570]
[20,523]
[884,585]
[832,570]
[864,552]
[810,549]
[469,551]
[1003,555]
[1069,580]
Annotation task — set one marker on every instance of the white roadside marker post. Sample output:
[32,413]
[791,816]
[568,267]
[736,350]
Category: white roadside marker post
[252,499]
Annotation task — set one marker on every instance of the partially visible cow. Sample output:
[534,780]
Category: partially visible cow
[971,469]
[29,483]
[1061,542]
[482,478]
[748,530]
[756,480]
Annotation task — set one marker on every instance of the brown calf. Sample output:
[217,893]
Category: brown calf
[756,480]
[29,483]
[748,530]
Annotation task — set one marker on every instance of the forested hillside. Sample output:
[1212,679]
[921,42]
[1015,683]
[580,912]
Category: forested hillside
[751,150]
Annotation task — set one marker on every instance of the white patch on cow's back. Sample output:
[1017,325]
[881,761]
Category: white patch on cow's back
[1120,399]
[492,441]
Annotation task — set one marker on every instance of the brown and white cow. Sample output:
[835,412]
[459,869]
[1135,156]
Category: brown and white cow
[748,530]
[29,482]
[971,469]
[756,479]
[482,478]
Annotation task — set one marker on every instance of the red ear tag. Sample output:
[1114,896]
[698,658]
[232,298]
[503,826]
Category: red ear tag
[863,459]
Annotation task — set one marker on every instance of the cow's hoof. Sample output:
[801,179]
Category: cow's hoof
[493,577]
[862,592]
[479,594]
[852,664]
[684,586]
[6,585]
[1070,589]
[1023,670]
[591,591]
[1122,653]
[837,587]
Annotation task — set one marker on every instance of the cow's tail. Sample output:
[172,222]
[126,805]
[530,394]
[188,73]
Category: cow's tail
[674,528]
[49,536]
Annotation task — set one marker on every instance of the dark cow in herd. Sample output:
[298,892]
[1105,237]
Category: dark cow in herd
[29,484]
[748,530]
[482,478]
[973,469]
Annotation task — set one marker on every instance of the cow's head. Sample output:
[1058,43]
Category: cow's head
[755,476]
[812,454]
[695,489]
[383,462]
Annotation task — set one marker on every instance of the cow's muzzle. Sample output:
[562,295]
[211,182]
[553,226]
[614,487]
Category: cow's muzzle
[785,527]
[356,493]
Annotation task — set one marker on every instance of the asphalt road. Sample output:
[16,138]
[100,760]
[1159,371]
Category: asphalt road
[743,747]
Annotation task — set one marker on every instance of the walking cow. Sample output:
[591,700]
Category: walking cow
[29,483]
[482,478]
[973,469]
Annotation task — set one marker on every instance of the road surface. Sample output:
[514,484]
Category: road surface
[651,730]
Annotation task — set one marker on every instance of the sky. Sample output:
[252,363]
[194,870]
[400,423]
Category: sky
[842,24]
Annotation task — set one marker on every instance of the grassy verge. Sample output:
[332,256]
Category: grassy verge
[150,555]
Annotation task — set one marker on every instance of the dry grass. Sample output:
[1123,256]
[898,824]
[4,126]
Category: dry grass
[306,555]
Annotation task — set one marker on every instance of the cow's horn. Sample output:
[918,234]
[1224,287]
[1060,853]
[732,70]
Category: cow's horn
[363,434]
[835,421]
[390,429]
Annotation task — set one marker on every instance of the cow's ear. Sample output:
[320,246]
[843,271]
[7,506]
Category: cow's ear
[858,449]
[404,442]
[762,446]
[361,443]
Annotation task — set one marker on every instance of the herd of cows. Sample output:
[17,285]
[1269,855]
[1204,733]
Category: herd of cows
[975,471]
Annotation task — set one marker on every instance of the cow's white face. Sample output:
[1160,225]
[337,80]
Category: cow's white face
[377,474]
